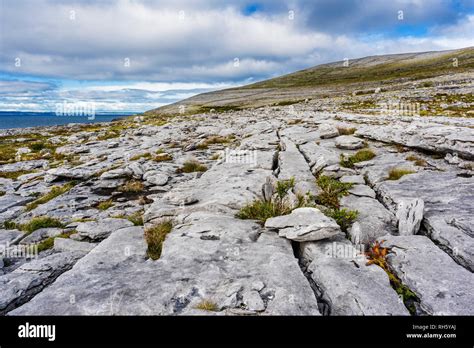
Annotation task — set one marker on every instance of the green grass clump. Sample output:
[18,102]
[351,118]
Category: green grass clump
[40,222]
[155,236]
[192,166]
[53,193]
[397,173]
[207,305]
[9,225]
[283,186]
[2,193]
[261,210]
[215,139]
[343,217]
[332,190]
[346,131]
[360,156]
[105,205]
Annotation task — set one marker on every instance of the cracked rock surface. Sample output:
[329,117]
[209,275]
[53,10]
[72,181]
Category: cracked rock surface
[251,231]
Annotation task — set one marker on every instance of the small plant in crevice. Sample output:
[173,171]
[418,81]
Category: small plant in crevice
[377,255]
[39,222]
[136,218]
[262,210]
[397,173]
[207,305]
[132,186]
[344,217]
[191,166]
[284,186]
[162,157]
[420,162]
[360,156]
[332,190]
[155,237]
[104,205]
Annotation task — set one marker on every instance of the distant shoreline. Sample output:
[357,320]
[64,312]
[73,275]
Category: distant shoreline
[21,120]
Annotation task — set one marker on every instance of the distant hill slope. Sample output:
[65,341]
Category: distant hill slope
[390,72]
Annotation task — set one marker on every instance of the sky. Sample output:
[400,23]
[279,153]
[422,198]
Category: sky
[131,55]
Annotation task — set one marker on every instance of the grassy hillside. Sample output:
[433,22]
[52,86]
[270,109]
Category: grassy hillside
[389,72]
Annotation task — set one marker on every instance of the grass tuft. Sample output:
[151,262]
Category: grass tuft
[343,217]
[332,190]
[105,205]
[360,156]
[155,236]
[207,305]
[132,186]
[192,166]
[397,173]
[40,222]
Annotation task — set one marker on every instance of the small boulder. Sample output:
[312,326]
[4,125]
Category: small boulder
[304,224]
[409,215]
[327,131]
[98,230]
[349,142]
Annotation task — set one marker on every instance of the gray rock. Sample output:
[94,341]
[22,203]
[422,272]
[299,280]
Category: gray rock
[354,179]
[41,234]
[253,301]
[348,285]
[409,215]
[117,174]
[443,286]
[373,221]
[136,169]
[74,173]
[327,131]
[304,224]
[448,212]
[24,165]
[9,237]
[98,230]
[66,244]
[157,178]
[30,278]
[349,142]
[9,201]
[362,191]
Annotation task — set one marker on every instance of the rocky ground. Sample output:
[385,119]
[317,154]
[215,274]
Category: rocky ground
[270,211]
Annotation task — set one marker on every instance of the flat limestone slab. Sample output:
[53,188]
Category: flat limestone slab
[348,285]
[443,286]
